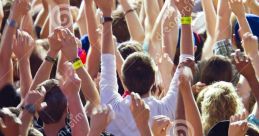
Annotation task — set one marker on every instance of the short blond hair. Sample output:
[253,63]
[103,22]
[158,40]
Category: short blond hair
[220,101]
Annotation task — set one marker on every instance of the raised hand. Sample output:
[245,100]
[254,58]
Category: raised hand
[55,41]
[35,97]
[250,44]
[100,119]
[238,125]
[237,7]
[20,8]
[106,6]
[160,125]
[72,83]
[185,6]
[69,44]
[139,110]
[243,64]
[23,45]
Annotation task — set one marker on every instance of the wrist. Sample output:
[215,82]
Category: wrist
[107,13]
[52,53]
[72,97]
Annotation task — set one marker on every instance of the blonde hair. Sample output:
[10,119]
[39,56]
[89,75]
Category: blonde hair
[220,101]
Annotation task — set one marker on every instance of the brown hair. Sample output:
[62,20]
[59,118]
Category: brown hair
[56,102]
[217,68]
[138,73]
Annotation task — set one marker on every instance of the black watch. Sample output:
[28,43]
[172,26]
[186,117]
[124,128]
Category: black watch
[106,19]
[29,108]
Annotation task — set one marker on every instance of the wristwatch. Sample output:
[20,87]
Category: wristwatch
[106,19]
[30,108]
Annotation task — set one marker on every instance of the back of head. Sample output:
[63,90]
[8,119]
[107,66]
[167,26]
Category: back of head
[138,73]
[119,26]
[217,68]
[129,47]
[217,97]
[56,102]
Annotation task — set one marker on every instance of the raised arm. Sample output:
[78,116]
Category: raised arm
[108,83]
[210,17]
[187,46]
[71,88]
[141,113]
[42,16]
[33,98]
[223,27]
[100,119]
[151,10]
[94,56]
[250,44]
[192,114]
[27,25]
[69,49]
[136,30]
[244,67]
[238,9]
[44,71]
[170,30]
[81,19]
[22,48]
[18,10]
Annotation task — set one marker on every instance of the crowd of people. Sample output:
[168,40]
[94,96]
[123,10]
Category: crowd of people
[129,68]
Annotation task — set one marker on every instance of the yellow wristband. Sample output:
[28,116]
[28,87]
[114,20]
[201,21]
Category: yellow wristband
[77,64]
[186,20]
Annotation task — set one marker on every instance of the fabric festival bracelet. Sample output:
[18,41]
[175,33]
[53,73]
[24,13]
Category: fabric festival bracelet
[77,63]
[50,59]
[186,20]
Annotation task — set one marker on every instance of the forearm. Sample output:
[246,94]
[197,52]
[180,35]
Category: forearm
[191,111]
[180,112]
[45,29]
[151,11]
[170,32]
[210,16]
[107,41]
[53,14]
[145,130]
[27,25]
[40,20]
[6,70]
[43,72]
[244,26]
[255,64]
[94,58]
[26,119]
[223,27]
[186,40]
[81,20]
[93,61]
[136,30]
[25,76]
[77,114]
[92,26]
[88,87]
